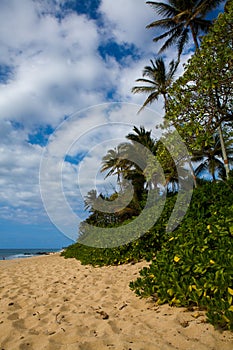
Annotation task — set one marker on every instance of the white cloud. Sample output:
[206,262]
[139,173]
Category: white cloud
[57,70]
[127,21]
[88,135]
[17,22]
[19,168]
[56,66]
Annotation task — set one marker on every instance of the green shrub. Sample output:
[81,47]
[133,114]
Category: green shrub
[195,264]
[192,265]
[145,247]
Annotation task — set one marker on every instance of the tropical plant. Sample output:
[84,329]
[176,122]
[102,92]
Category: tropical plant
[129,160]
[211,160]
[115,162]
[90,199]
[120,162]
[200,102]
[194,266]
[143,247]
[94,202]
[143,136]
[170,176]
[180,18]
[158,80]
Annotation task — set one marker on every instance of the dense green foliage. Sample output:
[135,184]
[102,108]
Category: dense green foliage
[195,264]
[145,247]
[201,100]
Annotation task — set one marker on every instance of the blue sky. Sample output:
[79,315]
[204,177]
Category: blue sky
[59,59]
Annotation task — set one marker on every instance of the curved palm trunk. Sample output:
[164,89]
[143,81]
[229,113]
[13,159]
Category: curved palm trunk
[194,36]
[224,153]
[165,102]
[193,173]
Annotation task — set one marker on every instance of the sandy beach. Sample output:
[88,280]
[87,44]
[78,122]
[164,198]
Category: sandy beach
[50,303]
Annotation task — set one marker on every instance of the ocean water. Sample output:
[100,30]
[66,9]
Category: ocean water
[9,254]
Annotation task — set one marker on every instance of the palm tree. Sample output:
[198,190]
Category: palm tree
[90,199]
[211,159]
[227,6]
[122,161]
[180,18]
[115,162]
[158,81]
[142,136]
[128,161]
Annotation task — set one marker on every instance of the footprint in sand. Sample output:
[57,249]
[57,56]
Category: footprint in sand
[13,317]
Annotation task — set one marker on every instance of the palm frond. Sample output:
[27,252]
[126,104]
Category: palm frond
[142,89]
[201,168]
[171,41]
[182,41]
[205,6]
[162,23]
[150,99]
[143,80]
[162,8]
[187,14]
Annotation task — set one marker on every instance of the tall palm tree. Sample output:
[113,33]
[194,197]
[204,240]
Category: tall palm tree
[128,161]
[141,146]
[115,162]
[180,18]
[211,159]
[123,163]
[158,80]
[90,199]
[143,136]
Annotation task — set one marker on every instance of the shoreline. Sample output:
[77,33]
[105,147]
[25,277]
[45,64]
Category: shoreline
[50,303]
[12,254]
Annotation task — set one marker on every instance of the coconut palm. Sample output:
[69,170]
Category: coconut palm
[143,146]
[115,162]
[122,161]
[143,136]
[91,199]
[211,160]
[157,81]
[180,18]
[128,161]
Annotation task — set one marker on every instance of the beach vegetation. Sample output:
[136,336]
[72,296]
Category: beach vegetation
[180,19]
[156,81]
[192,265]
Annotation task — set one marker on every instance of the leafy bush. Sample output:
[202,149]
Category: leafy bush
[192,265]
[195,263]
[145,247]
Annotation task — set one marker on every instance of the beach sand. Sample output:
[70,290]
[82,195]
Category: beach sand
[52,303]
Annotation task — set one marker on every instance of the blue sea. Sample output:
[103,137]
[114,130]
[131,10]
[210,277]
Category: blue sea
[9,254]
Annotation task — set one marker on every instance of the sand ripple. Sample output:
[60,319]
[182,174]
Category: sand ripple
[49,303]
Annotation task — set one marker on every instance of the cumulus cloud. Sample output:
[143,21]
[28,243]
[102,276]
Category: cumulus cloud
[19,168]
[127,21]
[54,68]
[55,65]
[65,184]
